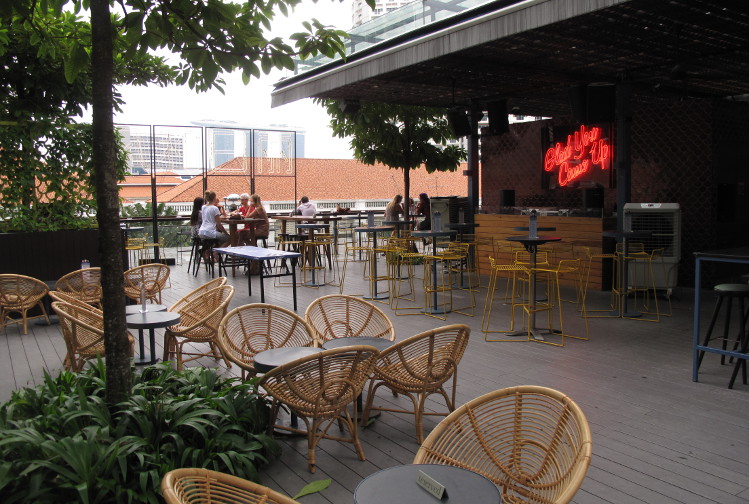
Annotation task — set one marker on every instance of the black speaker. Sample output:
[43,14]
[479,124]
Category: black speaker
[578,106]
[507,198]
[593,198]
[458,122]
[600,103]
[498,120]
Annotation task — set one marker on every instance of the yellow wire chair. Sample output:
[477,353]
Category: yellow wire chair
[614,308]
[533,442]
[353,248]
[642,284]
[457,255]
[510,272]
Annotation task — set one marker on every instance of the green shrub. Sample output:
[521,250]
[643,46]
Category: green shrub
[60,442]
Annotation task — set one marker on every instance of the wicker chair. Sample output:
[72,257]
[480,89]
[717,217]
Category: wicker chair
[339,316]
[19,294]
[83,284]
[212,284]
[203,486]
[419,367]
[253,328]
[67,298]
[533,442]
[83,329]
[199,321]
[318,388]
[152,276]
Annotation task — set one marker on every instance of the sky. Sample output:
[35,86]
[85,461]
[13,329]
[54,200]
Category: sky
[247,105]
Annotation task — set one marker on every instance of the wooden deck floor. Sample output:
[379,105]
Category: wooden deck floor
[658,437]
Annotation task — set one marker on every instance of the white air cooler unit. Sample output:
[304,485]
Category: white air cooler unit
[663,220]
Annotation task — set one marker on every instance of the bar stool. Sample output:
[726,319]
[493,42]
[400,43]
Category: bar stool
[728,292]
[192,264]
[510,272]
[351,249]
[205,252]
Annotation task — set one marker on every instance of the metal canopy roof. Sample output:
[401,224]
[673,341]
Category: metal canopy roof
[532,52]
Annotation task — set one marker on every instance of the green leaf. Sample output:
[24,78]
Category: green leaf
[313,487]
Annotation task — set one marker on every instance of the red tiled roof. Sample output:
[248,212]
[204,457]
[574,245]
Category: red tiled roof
[138,187]
[321,179]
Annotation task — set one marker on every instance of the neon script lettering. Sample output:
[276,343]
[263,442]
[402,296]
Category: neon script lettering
[584,150]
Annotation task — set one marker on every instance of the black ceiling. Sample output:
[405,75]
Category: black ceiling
[667,49]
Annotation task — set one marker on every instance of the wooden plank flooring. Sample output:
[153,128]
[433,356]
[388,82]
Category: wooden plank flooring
[658,437]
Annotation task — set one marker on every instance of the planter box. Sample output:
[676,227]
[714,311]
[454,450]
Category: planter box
[48,255]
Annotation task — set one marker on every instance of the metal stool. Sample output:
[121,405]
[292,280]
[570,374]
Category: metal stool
[730,292]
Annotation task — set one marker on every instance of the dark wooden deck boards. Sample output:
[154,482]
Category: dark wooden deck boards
[657,436]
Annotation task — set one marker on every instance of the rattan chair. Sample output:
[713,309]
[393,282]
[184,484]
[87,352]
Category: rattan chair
[19,294]
[211,284]
[67,298]
[340,316]
[533,442]
[318,388]
[83,329]
[253,328]
[418,367]
[83,284]
[199,321]
[152,276]
[193,485]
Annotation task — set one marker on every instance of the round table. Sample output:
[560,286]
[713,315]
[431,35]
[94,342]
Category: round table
[135,308]
[399,484]
[274,357]
[379,343]
[531,244]
[150,320]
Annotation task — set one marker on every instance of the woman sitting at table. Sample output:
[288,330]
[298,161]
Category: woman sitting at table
[394,209]
[196,217]
[262,228]
[212,228]
[243,211]
[424,208]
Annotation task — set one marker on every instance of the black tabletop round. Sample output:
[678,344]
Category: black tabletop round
[429,232]
[398,484]
[152,319]
[132,309]
[274,357]
[379,343]
[373,229]
[537,240]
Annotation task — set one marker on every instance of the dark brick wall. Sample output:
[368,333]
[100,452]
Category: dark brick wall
[688,152]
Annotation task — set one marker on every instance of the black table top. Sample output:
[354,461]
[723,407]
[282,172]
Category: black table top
[526,228]
[398,484]
[379,343]
[311,225]
[152,319]
[537,240]
[462,225]
[732,253]
[135,308]
[274,357]
[430,232]
[373,229]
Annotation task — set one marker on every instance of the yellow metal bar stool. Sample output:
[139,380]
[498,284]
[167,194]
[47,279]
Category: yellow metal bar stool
[509,272]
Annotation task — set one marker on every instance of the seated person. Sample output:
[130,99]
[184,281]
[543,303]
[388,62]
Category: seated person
[306,208]
[424,208]
[211,227]
[262,229]
[342,210]
[394,209]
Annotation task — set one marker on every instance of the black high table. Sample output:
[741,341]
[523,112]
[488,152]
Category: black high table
[373,276]
[434,310]
[531,244]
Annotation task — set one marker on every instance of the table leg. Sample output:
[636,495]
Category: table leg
[435,309]
[625,284]
[152,337]
[373,277]
[262,287]
[293,279]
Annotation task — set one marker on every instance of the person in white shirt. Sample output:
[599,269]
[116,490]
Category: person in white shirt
[211,227]
[306,208]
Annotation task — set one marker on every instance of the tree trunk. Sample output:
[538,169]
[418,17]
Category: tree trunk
[117,347]
[407,190]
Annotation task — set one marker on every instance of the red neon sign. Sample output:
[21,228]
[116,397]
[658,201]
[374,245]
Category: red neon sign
[584,150]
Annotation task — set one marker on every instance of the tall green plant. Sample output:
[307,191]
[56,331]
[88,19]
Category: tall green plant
[404,137]
[61,442]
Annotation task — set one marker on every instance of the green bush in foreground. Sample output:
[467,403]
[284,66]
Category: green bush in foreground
[60,442]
